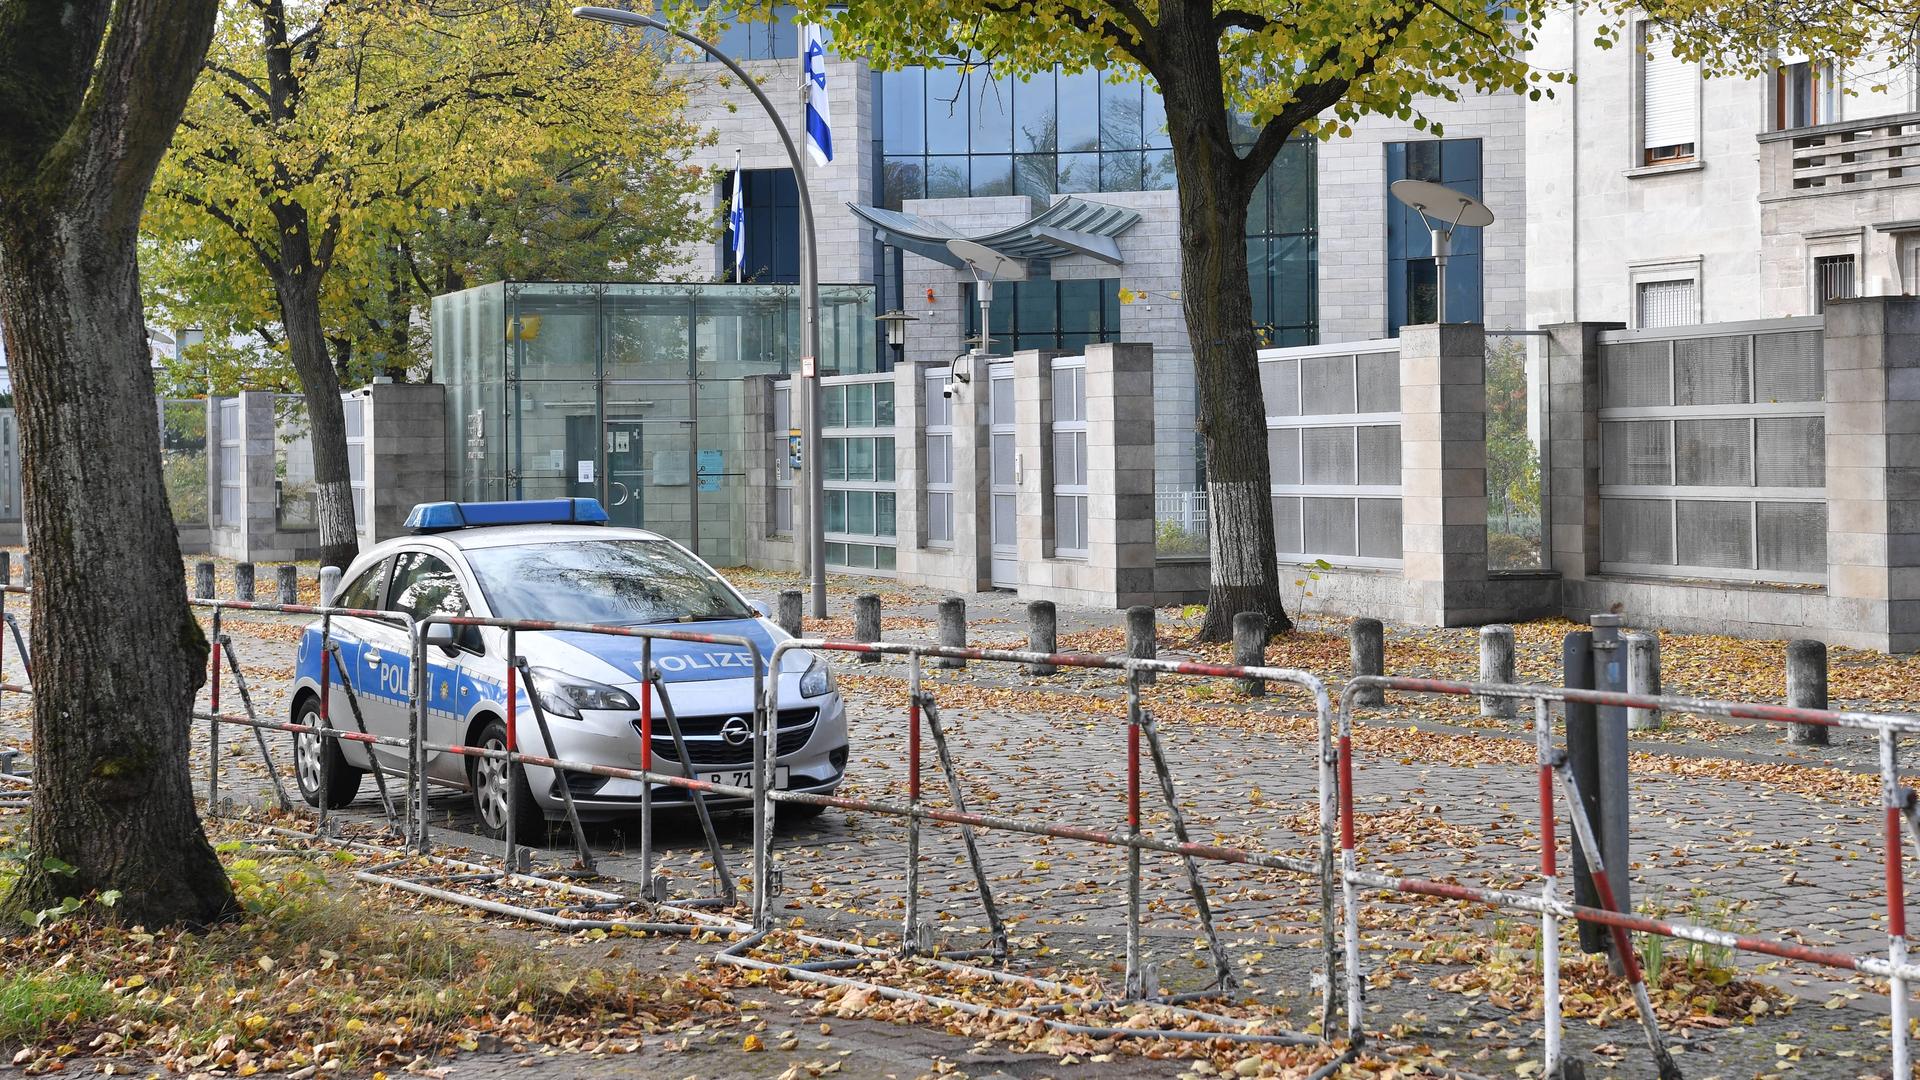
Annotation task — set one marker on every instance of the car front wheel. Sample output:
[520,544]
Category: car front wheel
[318,765]
[499,791]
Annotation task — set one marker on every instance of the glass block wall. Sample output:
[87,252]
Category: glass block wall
[1333,446]
[1713,452]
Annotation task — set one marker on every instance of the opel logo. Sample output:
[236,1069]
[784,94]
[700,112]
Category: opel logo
[736,731]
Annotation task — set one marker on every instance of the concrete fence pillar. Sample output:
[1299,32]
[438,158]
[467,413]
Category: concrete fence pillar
[1042,634]
[243,581]
[288,582]
[1443,473]
[405,452]
[1141,643]
[866,623]
[1250,647]
[787,615]
[203,580]
[1496,666]
[1367,655]
[952,631]
[1807,687]
[1643,676]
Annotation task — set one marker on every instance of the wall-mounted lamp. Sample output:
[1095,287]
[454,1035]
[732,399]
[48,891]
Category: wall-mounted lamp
[896,323]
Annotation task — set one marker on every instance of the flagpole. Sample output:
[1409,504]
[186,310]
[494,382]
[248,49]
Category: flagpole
[809,366]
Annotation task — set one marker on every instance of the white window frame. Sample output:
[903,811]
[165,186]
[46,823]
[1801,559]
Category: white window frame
[233,477]
[1664,270]
[782,461]
[934,380]
[1637,162]
[1070,496]
[877,487]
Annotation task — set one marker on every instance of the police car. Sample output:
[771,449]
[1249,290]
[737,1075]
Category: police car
[554,560]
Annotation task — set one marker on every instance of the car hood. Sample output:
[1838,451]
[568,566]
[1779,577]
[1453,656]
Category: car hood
[679,661]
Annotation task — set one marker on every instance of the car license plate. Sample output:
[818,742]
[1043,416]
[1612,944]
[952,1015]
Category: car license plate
[744,777]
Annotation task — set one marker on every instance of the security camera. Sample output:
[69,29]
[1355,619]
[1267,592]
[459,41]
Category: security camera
[948,390]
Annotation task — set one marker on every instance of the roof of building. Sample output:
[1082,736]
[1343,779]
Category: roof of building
[1068,227]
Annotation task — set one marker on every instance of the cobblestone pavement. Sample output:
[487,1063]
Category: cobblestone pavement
[1729,823]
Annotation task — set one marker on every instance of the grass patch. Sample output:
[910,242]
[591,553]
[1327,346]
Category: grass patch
[315,975]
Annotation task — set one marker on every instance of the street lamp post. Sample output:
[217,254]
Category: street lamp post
[809,296]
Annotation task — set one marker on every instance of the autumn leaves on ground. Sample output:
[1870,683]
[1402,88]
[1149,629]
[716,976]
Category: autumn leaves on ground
[325,976]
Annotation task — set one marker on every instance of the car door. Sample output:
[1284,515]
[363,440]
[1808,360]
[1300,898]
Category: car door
[425,584]
[366,591]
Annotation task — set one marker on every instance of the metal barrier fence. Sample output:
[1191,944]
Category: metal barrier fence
[587,907]
[1898,801]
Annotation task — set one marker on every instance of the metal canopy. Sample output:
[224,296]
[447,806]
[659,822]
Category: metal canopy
[1068,227]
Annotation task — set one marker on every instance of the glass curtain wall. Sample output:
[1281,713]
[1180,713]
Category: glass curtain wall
[632,394]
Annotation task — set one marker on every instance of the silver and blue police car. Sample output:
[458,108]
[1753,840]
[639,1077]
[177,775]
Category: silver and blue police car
[554,560]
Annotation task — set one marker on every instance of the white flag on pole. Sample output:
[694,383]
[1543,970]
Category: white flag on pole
[737,223]
[819,119]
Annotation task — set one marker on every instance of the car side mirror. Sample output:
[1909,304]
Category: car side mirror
[444,635]
[760,608]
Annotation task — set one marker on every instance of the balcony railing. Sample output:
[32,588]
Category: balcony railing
[1876,152]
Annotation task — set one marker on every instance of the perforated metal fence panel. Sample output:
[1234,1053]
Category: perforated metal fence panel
[1713,451]
[1333,448]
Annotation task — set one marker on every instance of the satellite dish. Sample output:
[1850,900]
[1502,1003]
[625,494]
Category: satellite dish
[988,264]
[1431,200]
[1442,210]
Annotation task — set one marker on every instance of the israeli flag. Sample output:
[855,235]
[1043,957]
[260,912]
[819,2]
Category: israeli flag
[819,122]
[737,222]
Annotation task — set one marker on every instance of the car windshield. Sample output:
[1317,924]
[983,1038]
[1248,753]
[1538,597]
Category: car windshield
[621,582]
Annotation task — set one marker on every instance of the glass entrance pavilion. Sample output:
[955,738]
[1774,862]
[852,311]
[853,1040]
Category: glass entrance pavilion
[632,394]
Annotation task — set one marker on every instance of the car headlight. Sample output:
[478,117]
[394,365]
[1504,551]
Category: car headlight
[818,679]
[565,695]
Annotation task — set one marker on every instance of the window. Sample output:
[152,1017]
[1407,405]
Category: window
[626,582]
[1806,92]
[1412,276]
[1669,103]
[857,471]
[1667,303]
[425,585]
[1041,313]
[366,591]
[1834,278]
[773,226]
[783,448]
[774,38]
[1282,255]
[1333,451]
[939,466]
[1070,458]
[953,132]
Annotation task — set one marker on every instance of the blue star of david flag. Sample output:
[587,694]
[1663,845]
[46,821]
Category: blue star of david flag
[819,117]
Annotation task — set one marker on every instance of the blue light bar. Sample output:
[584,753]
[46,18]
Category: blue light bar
[443,516]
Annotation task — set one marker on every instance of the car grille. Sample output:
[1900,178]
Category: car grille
[706,747]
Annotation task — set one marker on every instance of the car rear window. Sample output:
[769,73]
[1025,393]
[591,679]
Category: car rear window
[620,582]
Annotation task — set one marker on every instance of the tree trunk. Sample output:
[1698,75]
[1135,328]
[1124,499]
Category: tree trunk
[1215,187]
[299,295]
[117,653]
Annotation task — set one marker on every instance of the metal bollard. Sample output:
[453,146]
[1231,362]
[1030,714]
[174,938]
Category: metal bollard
[1807,687]
[329,585]
[287,579]
[788,614]
[1043,634]
[866,623]
[1140,639]
[1496,666]
[1367,655]
[952,630]
[1610,673]
[1250,647]
[1643,676]
[26,571]
[243,581]
[203,580]
[1583,756]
